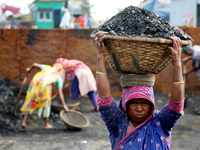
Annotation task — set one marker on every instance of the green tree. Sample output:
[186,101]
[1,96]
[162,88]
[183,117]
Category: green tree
[86,7]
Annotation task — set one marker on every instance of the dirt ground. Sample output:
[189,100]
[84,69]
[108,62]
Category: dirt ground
[185,135]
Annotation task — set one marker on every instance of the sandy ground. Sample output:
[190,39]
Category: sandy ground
[185,135]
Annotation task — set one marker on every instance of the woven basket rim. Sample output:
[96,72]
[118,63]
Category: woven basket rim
[144,39]
[75,126]
[69,105]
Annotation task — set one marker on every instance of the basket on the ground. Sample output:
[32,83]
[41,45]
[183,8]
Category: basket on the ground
[72,105]
[138,55]
[74,119]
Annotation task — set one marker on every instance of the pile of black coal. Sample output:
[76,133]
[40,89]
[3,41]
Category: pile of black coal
[8,95]
[134,21]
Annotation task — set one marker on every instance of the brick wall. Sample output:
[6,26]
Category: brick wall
[19,48]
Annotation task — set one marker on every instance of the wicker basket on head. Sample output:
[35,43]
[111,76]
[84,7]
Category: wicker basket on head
[138,55]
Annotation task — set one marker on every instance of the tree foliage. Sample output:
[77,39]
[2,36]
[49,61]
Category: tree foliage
[86,7]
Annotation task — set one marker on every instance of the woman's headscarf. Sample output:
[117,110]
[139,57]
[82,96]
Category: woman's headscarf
[63,61]
[72,63]
[144,92]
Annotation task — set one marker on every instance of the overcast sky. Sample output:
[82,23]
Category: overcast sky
[107,8]
[101,10]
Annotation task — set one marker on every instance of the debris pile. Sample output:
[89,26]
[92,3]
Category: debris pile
[8,95]
[134,21]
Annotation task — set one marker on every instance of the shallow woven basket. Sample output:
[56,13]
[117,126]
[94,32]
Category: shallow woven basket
[58,108]
[138,55]
[72,105]
[74,119]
